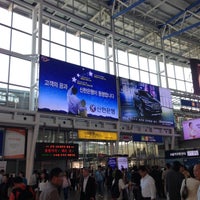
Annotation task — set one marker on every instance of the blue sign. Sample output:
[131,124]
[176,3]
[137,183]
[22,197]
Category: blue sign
[71,89]
[147,138]
[112,161]
[188,103]
[145,103]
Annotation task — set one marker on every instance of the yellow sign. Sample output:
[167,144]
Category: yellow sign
[97,135]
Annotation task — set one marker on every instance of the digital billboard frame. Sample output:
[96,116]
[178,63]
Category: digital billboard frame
[145,103]
[71,89]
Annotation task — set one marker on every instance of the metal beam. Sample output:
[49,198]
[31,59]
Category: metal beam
[181,31]
[180,13]
[127,9]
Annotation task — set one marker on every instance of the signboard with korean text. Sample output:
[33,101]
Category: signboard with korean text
[97,135]
[75,90]
[46,151]
[147,138]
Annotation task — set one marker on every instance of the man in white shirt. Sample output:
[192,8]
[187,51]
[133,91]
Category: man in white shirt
[196,171]
[147,184]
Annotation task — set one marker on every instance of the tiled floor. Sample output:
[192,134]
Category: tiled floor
[74,195]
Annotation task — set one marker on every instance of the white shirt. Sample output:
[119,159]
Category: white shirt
[148,187]
[85,180]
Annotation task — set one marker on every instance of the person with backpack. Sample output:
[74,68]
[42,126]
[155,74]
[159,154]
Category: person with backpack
[20,191]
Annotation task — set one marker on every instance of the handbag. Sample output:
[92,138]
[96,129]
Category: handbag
[185,191]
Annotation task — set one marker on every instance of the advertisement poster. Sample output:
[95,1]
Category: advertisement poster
[191,129]
[122,162]
[75,90]
[14,143]
[145,103]
[1,142]
[195,69]
[112,161]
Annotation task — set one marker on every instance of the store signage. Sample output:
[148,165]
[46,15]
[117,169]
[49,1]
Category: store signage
[181,153]
[97,135]
[56,151]
[147,138]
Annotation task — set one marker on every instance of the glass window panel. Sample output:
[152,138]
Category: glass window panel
[162,67]
[122,57]
[152,66]
[45,31]
[133,60]
[99,50]
[187,74]
[144,76]
[21,42]
[170,70]
[4,37]
[179,72]
[99,64]
[189,87]
[110,50]
[172,83]
[87,61]
[153,79]
[134,74]
[18,65]
[86,46]
[163,82]
[45,48]
[143,63]
[73,41]
[57,36]
[123,71]
[57,52]
[22,23]
[4,68]
[180,85]
[5,16]
[111,66]
[73,56]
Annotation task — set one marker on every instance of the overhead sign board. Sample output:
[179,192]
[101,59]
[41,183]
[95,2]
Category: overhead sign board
[97,135]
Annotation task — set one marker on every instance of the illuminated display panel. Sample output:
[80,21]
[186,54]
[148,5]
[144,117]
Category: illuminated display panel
[71,89]
[191,129]
[97,135]
[56,151]
[145,103]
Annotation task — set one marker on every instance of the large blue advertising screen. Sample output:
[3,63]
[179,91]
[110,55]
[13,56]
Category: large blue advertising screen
[76,90]
[145,103]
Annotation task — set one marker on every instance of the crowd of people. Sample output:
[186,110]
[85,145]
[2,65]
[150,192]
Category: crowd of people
[174,182]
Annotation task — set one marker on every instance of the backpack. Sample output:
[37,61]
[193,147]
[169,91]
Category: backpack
[115,193]
[25,194]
